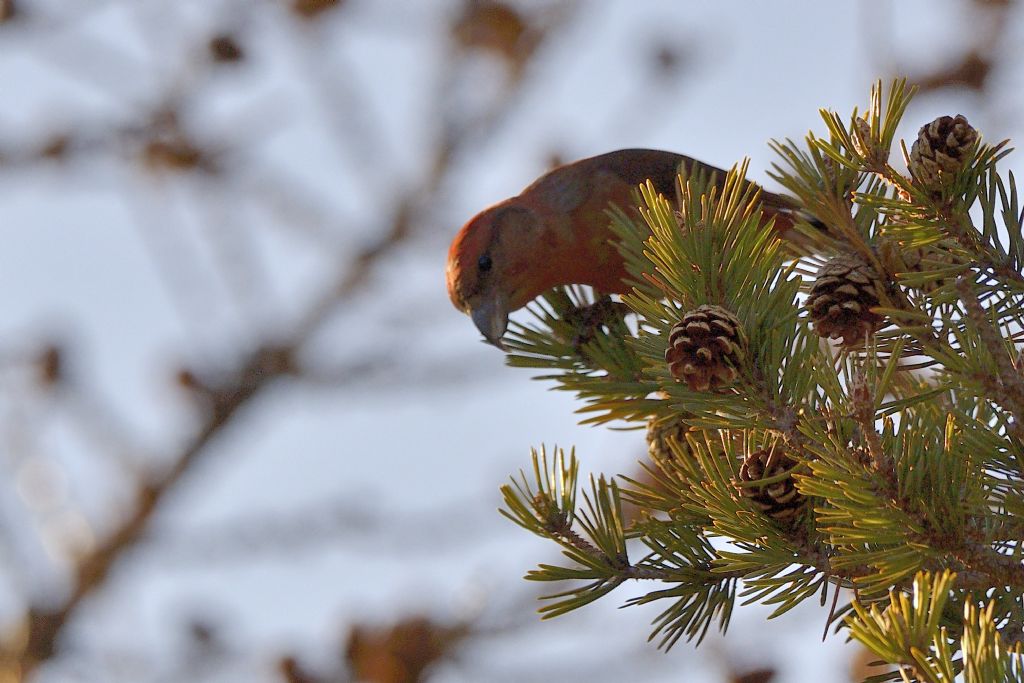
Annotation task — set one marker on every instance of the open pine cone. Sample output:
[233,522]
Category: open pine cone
[780,500]
[705,348]
[842,297]
[940,150]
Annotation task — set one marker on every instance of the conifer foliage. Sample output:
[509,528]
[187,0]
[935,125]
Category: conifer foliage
[784,467]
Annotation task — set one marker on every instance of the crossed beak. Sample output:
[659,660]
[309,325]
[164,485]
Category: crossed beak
[491,318]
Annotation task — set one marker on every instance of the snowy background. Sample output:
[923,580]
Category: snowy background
[184,182]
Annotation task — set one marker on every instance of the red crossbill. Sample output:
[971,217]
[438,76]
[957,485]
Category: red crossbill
[556,232]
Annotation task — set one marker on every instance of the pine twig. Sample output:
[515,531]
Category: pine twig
[864,415]
[1009,392]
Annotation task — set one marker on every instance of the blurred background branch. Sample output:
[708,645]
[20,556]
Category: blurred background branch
[161,143]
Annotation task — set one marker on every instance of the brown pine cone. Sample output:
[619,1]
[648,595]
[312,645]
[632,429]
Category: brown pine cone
[780,500]
[705,348]
[865,145]
[661,434]
[842,297]
[919,260]
[940,150]
[589,321]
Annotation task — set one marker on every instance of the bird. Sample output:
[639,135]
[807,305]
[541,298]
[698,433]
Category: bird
[557,232]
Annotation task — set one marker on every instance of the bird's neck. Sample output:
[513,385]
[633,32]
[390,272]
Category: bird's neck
[579,255]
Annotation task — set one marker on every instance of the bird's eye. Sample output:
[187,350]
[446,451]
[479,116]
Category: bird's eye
[484,263]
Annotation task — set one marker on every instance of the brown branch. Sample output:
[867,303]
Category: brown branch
[560,530]
[995,568]
[42,626]
[37,640]
[864,415]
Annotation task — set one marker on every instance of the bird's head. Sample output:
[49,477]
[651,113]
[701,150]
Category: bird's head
[492,269]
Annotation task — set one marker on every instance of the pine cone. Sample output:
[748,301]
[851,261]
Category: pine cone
[865,145]
[661,434]
[842,297]
[915,261]
[940,150]
[780,500]
[705,348]
[589,321]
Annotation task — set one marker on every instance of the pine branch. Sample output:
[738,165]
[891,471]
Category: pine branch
[890,473]
[864,412]
[908,632]
[585,344]
[1010,385]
